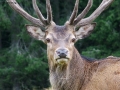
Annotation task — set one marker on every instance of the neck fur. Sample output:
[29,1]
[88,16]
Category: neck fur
[72,73]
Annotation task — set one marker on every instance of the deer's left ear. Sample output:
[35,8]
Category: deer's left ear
[85,31]
[36,32]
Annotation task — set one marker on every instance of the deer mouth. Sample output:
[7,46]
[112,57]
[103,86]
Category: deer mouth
[62,60]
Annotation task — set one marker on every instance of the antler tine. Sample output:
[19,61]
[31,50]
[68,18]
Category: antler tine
[84,12]
[95,14]
[49,11]
[39,14]
[74,13]
[18,9]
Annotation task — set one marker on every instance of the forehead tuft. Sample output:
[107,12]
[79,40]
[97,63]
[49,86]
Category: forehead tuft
[60,32]
[60,29]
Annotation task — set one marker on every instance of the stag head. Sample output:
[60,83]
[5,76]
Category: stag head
[60,39]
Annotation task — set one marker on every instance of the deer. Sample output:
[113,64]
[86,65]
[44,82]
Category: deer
[68,70]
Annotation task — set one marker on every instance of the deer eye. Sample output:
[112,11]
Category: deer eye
[47,40]
[73,40]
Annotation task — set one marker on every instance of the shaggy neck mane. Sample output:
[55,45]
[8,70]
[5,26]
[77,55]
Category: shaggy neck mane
[71,76]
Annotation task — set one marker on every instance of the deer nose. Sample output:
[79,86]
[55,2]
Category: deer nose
[62,53]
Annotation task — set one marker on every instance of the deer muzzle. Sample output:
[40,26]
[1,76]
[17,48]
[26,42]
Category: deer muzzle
[62,55]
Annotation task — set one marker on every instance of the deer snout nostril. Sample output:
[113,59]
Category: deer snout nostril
[66,51]
[62,53]
[58,52]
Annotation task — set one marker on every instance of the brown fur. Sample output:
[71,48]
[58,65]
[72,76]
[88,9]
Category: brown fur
[77,73]
[81,74]
[68,70]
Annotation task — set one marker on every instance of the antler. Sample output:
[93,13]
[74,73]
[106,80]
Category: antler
[38,12]
[95,14]
[79,21]
[41,21]
[74,13]
[84,12]
[49,12]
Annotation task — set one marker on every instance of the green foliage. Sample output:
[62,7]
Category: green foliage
[105,40]
[4,21]
[23,62]
[24,69]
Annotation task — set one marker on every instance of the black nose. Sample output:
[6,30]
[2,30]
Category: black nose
[62,53]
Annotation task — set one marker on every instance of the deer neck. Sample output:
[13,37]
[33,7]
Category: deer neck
[72,73]
[75,62]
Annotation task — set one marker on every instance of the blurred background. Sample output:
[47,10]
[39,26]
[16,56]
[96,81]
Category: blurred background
[23,60]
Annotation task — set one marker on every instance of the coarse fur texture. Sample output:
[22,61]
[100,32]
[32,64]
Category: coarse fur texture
[81,74]
[78,72]
[69,70]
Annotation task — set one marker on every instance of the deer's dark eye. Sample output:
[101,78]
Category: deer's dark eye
[47,40]
[73,40]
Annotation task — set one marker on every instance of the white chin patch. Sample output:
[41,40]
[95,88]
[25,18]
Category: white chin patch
[62,61]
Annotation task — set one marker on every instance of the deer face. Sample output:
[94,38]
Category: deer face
[60,40]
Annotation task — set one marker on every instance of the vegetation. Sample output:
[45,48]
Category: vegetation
[23,61]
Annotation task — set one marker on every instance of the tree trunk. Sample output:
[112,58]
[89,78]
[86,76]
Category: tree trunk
[0,41]
[16,86]
[56,12]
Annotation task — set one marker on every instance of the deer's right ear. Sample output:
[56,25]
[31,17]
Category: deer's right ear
[85,31]
[36,32]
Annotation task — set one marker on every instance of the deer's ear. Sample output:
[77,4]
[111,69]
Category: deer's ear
[85,31]
[35,32]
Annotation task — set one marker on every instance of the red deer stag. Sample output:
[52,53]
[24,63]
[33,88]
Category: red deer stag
[68,69]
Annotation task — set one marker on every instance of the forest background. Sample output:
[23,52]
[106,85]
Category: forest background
[23,60]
